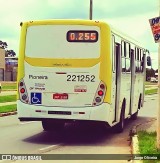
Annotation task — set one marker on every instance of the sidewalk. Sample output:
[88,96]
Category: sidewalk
[9,92]
[149,126]
[8,103]
[153,87]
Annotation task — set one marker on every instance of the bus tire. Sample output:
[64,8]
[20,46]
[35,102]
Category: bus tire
[120,126]
[49,125]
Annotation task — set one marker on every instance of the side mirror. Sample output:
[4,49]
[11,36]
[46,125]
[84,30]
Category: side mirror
[149,63]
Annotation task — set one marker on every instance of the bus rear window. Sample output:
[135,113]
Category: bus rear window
[63,41]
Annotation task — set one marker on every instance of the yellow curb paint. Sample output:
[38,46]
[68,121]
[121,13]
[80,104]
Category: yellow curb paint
[135,148]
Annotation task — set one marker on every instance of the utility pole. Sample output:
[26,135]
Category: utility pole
[158,107]
[90,9]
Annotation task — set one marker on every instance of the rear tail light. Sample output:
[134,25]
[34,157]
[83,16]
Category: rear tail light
[102,86]
[24,97]
[100,94]
[21,84]
[23,92]
[98,99]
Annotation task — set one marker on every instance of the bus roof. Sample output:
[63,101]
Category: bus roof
[125,36]
[82,22]
[62,21]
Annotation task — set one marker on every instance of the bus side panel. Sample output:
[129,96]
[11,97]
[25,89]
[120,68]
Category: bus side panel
[21,55]
[106,62]
[139,81]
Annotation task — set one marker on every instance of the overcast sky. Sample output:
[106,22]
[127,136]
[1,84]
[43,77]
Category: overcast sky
[130,17]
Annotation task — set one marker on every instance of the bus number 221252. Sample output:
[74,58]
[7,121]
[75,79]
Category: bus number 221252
[81,78]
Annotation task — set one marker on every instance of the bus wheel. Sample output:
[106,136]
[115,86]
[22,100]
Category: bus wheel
[49,125]
[120,126]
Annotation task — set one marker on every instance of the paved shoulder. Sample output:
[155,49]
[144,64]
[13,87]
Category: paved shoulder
[4,93]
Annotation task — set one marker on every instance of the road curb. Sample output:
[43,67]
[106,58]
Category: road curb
[135,148]
[151,94]
[134,140]
[7,114]
[5,90]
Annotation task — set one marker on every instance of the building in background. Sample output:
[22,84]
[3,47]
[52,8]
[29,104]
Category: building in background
[8,67]
[11,65]
[2,64]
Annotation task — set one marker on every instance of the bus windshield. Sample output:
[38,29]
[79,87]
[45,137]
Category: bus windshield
[53,41]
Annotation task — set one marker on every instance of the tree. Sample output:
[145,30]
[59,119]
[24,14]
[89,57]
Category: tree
[10,53]
[3,45]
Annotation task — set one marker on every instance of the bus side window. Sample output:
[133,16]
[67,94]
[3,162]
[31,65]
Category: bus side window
[123,50]
[128,64]
[127,50]
[123,65]
[132,56]
[118,52]
[140,62]
[137,62]
[143,60]
[139,68]
[113,53]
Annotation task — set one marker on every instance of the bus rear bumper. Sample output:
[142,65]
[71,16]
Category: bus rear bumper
[38,113]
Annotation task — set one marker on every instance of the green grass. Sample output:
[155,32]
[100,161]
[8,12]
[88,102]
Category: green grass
[8,108]
[8,98]
[150,83]
[9,86]
[151,91]
[147,144]
[149,86]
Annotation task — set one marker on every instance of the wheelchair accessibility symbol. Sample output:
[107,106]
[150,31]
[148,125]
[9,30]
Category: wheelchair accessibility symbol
[36,98]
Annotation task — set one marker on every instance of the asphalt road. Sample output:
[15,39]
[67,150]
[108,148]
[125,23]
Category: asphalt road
[25,138]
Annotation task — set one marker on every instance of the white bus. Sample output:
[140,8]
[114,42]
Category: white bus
[78,70]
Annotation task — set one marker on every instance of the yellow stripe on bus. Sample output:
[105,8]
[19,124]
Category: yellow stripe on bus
[67,63]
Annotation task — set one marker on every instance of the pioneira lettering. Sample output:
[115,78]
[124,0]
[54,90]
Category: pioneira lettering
[37,77]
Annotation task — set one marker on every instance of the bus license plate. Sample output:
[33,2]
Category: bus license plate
[60,96]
